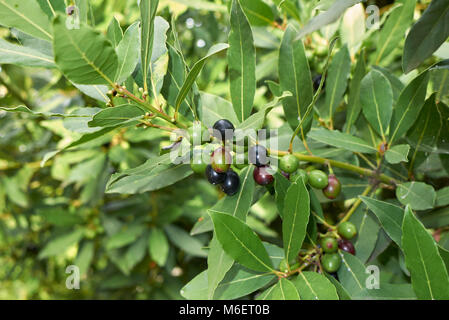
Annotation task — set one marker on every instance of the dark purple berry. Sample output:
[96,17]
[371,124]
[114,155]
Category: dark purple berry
[347,246]
[231,183]
[214,177]
[262,176]
[257,155]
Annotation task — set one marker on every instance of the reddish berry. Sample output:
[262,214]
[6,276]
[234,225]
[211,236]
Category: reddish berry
[221,160]
[262,176]
[347,246]
[333,188]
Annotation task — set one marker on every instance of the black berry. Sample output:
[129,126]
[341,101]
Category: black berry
[231,183]
[214,177]
[221,127]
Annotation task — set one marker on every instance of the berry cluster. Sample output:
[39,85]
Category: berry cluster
[331,259]
[318,179]
[218,171]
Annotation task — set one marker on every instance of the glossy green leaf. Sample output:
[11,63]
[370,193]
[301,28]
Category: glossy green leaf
[195,71]
[114,116]
[281,185]
[294,218]
[240,242]
[376,97]
[426,35]
[314,286]
[241,63]
[408,106]
[258,12]
[354,106]
[335,11]
[181,239]
[27,16]
[128,53]
[114,32]
[397,154]
[215,108]
[442,197]
[148,9]
[294,76]
[428,272]
[341,140]
[283,290]
[158,246]
[387,291]
[367,233]
[337,80]
[389,215]
[218,263]
[77,54]
[418,195]
[23,56]
[351,274]
[394,30]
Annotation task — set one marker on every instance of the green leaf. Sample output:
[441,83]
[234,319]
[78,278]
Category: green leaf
[341,291]
[258,12]
[352,28]
[114,116]
[389,215]
[218,263]
[128,53]
[23,56]
[77,54]
[85,256]
[387,291]
[240,282]
[354,106]
[341,140]
[61,243]
[408,106]
[27,16]
[442,197]
[158,246]
[294,76]
[397,154]
[295,217]
[114,32]
[241,63]
[184,241]
[196,289]
[195,71]
[136,251]
[352,274]
[240,242]
[51,7]
[314,286]
[283,290]
[281,185]
[396,84]
[394,30]
[426,35]
[367,233]
[215,108]
[159,177]
[335,11]
[124,237]
[337,79]
[428,272]
[148,10]
[376,97]
[257,120]
[418,195]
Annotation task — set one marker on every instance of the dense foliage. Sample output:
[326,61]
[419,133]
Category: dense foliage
[97,95]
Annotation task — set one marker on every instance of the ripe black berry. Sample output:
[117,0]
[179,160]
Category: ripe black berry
[231,183]
[257,155]
[214,177]
[262,176]
[221,127]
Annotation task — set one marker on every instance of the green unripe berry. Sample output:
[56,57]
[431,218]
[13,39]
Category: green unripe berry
[318,179]
[331,262]
[197,163]
[347,230]
[329,245]
[300,173]
[289,163]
